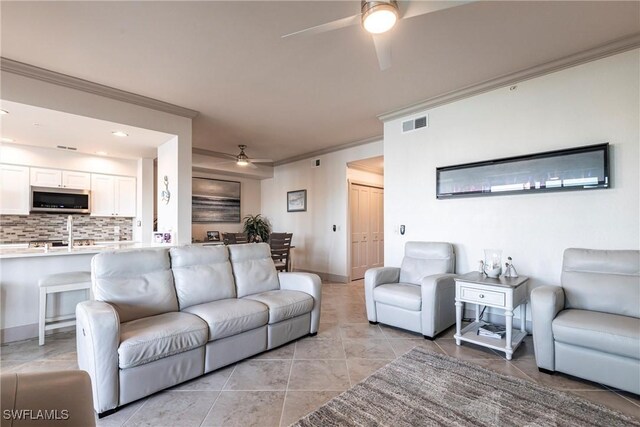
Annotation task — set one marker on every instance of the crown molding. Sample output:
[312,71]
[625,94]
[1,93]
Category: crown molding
[617,46]
[328,150]
[33,72]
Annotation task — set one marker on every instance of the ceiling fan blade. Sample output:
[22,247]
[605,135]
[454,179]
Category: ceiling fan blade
[329,26]
[382,42]
[411,8]
[261,161]
[213,153]
[249,165]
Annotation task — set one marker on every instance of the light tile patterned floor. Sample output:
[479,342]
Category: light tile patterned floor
[280,386]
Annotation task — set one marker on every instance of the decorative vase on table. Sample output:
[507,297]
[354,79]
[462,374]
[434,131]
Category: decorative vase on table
[493,263]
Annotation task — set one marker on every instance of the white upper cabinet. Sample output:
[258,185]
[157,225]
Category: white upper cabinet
[46,177]
[113,195]
[14,190]
[125,196]
[102,191]
[60,179]
[76,180]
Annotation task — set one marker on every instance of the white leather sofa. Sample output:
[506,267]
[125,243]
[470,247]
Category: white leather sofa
[164,316]
[589,326]
[420,295]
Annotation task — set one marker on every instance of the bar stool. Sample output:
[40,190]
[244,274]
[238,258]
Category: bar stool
[54,283]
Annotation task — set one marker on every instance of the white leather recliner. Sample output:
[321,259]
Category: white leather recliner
[589,327]
[420,295]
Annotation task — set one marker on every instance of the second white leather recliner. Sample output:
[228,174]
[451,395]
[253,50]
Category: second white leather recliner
[420,295]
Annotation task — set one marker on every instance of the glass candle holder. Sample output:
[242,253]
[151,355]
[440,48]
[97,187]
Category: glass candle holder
[493,263]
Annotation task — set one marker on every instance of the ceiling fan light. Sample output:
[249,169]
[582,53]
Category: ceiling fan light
[379,17]
[242,162]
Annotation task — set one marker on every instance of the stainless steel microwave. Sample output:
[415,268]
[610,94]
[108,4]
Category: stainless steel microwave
[60,200]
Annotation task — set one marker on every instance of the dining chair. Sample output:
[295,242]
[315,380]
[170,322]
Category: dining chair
[280,248]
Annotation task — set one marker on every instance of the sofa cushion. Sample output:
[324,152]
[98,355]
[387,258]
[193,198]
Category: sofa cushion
[152,338]
[230,316]
[284,305]
[423,259]
[599,331]
[602,280]
[138,283]
[253,268]
[201,274]
[403,295]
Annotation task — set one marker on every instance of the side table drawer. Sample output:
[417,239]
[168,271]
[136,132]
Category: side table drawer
[482,296]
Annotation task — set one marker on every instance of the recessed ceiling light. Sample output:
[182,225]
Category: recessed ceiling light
[101,153]
[120,133]
[3,112]
[7,139]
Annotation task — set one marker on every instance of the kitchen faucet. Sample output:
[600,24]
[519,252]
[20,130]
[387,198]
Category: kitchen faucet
[70,230]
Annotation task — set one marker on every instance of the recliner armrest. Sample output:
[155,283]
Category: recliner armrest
[438,303]
[98,338]
[376,277]
[546,303]
[308,283]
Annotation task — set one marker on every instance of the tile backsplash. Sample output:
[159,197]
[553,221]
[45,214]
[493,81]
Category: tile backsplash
[27,228]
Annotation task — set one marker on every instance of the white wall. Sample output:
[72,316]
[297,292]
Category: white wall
[592,103]
[318,248]
[361,176]
[60,159]
[250,198]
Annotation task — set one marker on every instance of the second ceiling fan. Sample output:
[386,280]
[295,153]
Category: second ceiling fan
[378,17]
[243,160]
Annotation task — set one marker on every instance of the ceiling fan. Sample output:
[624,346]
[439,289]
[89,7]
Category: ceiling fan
[378,17]
[241,159]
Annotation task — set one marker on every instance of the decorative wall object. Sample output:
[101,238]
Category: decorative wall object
[215,200]
[165,194]
[42,226]
[297,201]
[581,168]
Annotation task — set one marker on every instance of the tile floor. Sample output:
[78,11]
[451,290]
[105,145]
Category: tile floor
[280,386]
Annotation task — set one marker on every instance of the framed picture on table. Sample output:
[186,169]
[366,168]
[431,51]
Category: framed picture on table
[297,201]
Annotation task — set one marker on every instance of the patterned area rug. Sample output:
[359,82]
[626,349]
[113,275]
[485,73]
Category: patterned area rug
[426,389]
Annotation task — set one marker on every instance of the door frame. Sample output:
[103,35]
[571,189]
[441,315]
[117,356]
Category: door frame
[350,183]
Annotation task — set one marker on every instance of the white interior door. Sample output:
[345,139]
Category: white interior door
[367,229]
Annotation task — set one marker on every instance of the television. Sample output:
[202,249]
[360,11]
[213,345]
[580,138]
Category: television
[579,168]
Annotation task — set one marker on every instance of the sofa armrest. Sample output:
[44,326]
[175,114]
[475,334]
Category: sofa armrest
[438,303]
[98,338]
[546,303]
[376,277]
[309,283]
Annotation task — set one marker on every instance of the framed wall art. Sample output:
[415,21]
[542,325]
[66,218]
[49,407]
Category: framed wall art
[579,168]
[297,201]
[215,200]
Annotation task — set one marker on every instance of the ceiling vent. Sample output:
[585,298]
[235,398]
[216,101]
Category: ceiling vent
[414,124]
[63,147]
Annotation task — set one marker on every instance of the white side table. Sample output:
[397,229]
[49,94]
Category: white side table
[503,293]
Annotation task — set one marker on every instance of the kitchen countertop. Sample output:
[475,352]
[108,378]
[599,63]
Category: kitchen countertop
[23,251]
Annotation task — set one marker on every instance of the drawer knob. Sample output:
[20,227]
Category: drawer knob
[481,295]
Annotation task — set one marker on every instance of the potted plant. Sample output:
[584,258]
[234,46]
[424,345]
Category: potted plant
[257,228]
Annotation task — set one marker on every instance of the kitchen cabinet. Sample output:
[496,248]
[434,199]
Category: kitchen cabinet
[14,190]
[60,178]
[113,195]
